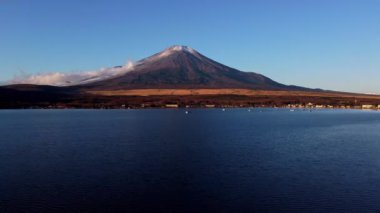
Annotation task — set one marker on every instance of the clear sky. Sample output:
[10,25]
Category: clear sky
[330,44]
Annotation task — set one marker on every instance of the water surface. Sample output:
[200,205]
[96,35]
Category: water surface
[266,160]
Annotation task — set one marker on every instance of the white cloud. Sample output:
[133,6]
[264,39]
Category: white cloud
[66,79]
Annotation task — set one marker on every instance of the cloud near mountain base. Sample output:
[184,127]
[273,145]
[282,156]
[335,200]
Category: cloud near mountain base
[73,78]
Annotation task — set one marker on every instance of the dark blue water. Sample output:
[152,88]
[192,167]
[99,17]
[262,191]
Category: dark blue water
[265,160]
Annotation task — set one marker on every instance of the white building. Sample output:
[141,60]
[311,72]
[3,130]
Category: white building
[368,106]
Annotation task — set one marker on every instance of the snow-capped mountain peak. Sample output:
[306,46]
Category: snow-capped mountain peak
[181,48]
[175,49]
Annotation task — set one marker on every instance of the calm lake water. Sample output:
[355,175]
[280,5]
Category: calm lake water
[266,160]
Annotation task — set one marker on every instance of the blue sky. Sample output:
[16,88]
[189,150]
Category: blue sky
[330,44]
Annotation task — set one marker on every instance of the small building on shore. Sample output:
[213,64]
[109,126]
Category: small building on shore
[171,106]
[368,106]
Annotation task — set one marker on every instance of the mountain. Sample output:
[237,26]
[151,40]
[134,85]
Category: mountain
[181,67]
[178,75]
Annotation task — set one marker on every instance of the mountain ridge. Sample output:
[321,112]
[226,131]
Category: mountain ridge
[183,67]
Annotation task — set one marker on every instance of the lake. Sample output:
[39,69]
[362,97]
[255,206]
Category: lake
[263,160]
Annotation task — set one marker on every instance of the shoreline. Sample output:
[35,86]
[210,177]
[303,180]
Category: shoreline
[194,108]
[204,99]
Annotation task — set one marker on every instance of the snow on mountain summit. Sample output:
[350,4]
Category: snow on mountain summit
[181,48]
[175,49]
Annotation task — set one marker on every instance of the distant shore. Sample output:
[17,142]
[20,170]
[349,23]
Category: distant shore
[174,107]
[185,98]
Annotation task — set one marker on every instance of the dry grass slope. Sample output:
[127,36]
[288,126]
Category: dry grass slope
[242,92]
